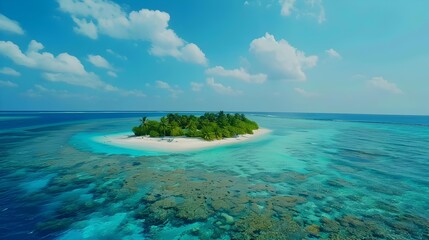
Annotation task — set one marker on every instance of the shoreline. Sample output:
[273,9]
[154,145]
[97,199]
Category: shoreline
[173,144]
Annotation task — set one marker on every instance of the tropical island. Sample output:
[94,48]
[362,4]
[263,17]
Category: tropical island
[181,133]
[210,126]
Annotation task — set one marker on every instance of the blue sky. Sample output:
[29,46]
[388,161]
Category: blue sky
[273,55]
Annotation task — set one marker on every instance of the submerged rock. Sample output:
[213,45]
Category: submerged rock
[265,227]
[219,204]
[228,219]
[327,209]
[193,210]
[330,226]
[337,183]
[313,230]
[352,221]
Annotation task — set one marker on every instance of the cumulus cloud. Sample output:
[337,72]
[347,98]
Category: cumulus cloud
[192,53]
[196,87]
[7,84]
[85,27]
[99,61]
[332,53]
[95,17]
[46,61]
[280,59]
[221,89]
[61,68]
[174,91]
[10,71]
[382,84]
[240,74]
[9,25]
[304,93]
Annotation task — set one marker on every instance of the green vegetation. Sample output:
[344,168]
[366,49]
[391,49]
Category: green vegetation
[209,126]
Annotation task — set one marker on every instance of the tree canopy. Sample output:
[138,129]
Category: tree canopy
[210,126]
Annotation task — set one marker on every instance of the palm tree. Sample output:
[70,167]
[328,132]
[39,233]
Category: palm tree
[206,135]
[163,125]
[143,120]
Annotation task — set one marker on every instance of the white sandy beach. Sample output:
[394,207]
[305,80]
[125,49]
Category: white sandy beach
[173,144]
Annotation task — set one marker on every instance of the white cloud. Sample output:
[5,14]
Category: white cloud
[162,85]
[240,74]
[9,25]
[90,80]
[315,10]
[134,93]
[86,28]
[287,7]
[99,61]
[46,61]
[7,84]
[384,85]
[221,89]
[10,71]
[40,91]
[174,91]
[61,68]
[304,93]
[112,74]
[192,53]
[116,54]
[95,17]
[308,8]
[196,87]
[321,17]
[281,59]
[331,52]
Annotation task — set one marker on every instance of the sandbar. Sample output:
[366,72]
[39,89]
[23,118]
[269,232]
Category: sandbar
[173,144]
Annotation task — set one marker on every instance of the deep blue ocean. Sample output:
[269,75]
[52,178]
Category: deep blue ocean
[315,176]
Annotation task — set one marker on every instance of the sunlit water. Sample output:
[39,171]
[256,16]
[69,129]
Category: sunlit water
[311,179]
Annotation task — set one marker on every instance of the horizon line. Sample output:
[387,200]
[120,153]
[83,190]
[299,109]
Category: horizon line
[170,111]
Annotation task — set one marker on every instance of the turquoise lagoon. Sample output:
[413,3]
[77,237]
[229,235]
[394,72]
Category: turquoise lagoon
[315,176]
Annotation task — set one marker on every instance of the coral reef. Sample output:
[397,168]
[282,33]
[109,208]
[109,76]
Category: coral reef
[223,204]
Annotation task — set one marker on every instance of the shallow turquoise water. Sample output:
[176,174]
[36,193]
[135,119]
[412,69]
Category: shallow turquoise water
[307,179]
